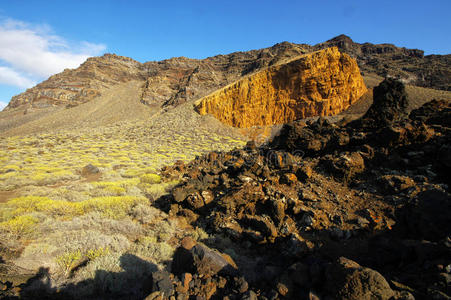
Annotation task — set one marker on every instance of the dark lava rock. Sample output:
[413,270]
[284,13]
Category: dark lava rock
[435,112]
[389,104]
[163,283]
[278,210]
[346,279]
[345,166]
[301,139]
[202,260]
[89,170]
[428,215]
[392,184]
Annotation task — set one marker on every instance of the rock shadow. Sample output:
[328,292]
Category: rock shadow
[134,282]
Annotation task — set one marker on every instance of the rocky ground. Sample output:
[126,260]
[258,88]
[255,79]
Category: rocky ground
[350,210]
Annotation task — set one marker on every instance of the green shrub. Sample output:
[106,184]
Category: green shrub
[19,226]
[68,260]
[158,252]
[92,254]
[150,178]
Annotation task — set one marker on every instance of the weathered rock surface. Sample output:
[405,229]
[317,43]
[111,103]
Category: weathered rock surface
[387,60]
[322,83]
[168,82]
[389,104]
[348,280]
[287,212]
[75,86]
[200,259]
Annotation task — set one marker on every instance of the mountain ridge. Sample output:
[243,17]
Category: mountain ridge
[176,80]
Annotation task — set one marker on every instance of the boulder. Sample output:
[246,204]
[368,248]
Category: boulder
[435,112]
[389,104]
[346,279]
[202,260]
[89,170]
[428,215]
[346,165]
[392,184]
[162,283]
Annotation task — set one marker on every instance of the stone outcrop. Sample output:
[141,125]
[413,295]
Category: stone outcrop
[177,80]
[409,65]
[389,104]
[346,279]
[321,83]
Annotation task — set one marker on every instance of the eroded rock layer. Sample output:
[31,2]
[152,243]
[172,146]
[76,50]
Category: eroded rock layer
[321,83]
[75,86]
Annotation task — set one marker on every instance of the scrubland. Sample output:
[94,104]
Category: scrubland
[79,224]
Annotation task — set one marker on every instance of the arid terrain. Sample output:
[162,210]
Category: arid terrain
[290,172]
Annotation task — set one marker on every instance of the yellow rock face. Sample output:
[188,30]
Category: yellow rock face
[321,83]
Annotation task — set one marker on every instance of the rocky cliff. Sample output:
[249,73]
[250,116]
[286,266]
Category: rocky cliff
[321,83]
[177,80]
[409,65]
[174,81]
[168,82]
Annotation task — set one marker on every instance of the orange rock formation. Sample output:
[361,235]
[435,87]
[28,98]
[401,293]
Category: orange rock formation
[321,83]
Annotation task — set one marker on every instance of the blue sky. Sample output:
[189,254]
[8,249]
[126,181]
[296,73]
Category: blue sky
[41,38]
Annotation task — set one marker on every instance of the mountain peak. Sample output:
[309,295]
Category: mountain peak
[341,37]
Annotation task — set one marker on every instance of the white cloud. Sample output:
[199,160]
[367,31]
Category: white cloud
[2,105]
[31,53]
[10,77]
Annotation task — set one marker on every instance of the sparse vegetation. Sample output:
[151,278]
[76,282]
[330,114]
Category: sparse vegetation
[19,227]
[68,260]
[81,226]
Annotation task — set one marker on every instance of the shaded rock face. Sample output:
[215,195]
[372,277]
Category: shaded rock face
[317,84]
[409,65]
[435,112]
[389,104]
[202,260]
[348,280]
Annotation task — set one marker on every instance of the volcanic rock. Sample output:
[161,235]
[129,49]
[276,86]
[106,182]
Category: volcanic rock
[162,283]
[409,65]
[389,104]
[202,260]
[435,112]
[346,165]
[316,84]
[428,215]
[348,280]
[89,170]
